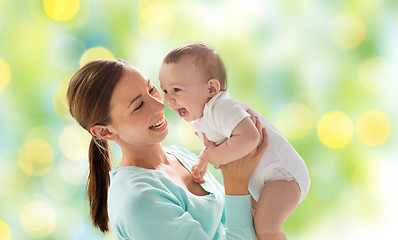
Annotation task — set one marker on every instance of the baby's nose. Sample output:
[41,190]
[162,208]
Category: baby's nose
[169,100]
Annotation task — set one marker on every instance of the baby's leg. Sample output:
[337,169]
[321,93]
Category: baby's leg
[277,201]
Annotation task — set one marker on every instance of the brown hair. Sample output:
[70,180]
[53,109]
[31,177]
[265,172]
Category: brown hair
[89,93]
[208,62]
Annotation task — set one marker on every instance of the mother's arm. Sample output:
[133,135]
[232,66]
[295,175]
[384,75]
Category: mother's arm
[236,177]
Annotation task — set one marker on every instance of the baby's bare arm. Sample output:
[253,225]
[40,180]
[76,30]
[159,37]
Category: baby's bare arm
[244,138]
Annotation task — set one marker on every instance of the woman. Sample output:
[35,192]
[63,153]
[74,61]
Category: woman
[152,195]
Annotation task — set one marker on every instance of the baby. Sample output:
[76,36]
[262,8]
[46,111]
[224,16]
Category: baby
[193,80]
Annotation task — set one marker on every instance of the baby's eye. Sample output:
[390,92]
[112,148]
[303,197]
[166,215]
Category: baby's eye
[165,91]
[176,89]
[151,90]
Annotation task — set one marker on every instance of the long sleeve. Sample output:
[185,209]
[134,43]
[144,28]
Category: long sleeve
[239,224]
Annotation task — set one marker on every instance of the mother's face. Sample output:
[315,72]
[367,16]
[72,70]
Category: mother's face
[137,111]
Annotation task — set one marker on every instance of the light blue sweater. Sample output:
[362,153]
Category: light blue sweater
[145,204]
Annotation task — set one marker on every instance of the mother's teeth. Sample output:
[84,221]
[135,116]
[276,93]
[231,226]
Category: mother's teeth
[158,124]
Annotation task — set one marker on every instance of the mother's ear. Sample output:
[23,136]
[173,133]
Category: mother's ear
[213,86]
[102,132]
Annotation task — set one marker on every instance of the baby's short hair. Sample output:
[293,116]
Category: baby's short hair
[205,58]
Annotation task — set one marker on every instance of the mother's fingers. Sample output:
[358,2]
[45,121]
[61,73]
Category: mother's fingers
[207,142]
[252,117]
[255,120]
[264,143]
[259,127]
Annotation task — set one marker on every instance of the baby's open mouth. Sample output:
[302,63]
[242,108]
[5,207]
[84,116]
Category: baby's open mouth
[182,112]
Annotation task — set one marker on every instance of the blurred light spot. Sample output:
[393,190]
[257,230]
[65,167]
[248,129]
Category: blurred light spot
[295,120]
[39,150]
[5,232]
[4,75]
[61,10]
[38,219]
[376,75]
[70,224]
[110,235]
[95,53]
[55,186]
[347,31]
[74,172]
[74,142]
[373,127]
[60,102]
[155,21]
[364,179]
[335,129]
[45,133]
[36,158]
[64,50]
[186,135]
[10,171]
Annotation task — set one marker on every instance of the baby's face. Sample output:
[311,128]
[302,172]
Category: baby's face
[185,91]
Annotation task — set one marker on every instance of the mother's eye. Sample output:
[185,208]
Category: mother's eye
[140,106]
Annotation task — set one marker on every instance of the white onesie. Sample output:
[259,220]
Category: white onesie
[279,162]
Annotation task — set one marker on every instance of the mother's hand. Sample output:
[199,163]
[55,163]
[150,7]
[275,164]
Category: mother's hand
[236,174]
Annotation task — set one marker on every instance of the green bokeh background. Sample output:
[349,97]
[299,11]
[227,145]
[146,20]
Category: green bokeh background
[295,61]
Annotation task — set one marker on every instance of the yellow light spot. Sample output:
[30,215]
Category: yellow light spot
[45,133]
[60,102]
[39,150]
[295,120]
[95,53]
[61,10]
[376,75]
[74,142]
[38,219]
[155,21]
[36,158]
[186,135]
[364,179]
[347,31]
[4,75]
[373,127]
[335,129]
[10,172]
[5,232]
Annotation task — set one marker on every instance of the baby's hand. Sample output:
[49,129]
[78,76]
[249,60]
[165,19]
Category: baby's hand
[198,171]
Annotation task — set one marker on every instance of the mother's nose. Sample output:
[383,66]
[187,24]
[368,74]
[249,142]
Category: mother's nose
[157,104]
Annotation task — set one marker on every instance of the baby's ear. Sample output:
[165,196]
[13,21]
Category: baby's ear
[213,86]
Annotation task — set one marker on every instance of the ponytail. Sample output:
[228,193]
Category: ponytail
[89,94]
[98,182]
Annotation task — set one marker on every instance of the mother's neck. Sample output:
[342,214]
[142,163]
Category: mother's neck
[150,157]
